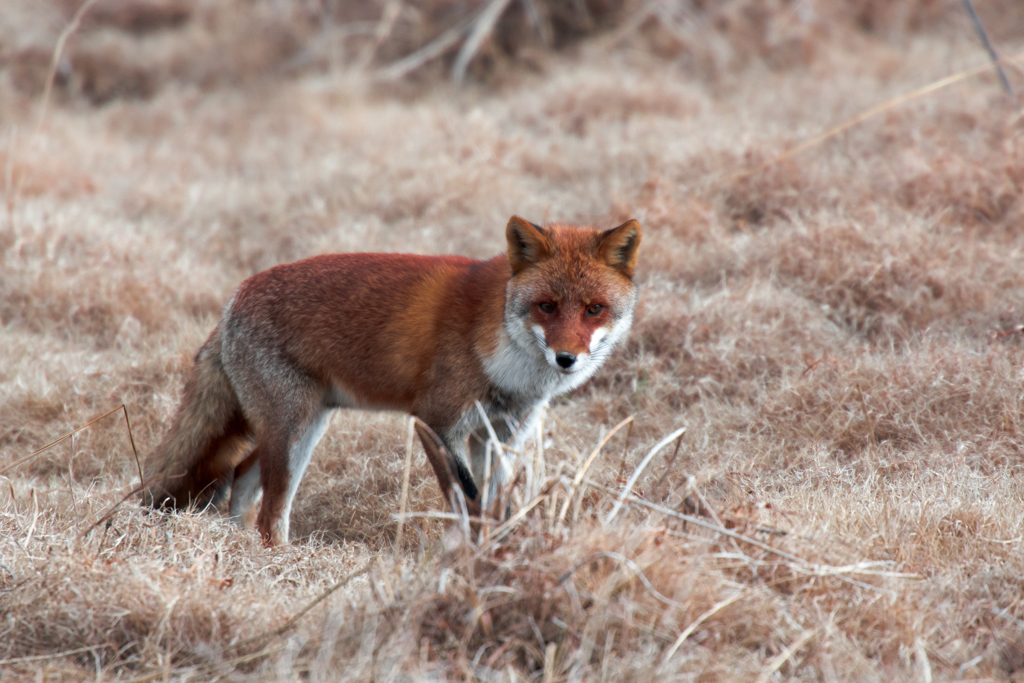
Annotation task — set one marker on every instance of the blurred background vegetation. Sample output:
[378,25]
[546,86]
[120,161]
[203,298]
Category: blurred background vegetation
[136,48]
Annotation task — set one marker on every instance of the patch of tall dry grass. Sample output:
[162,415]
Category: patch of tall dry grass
[839,334]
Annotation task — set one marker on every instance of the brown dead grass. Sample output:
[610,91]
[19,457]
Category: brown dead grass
[840,334]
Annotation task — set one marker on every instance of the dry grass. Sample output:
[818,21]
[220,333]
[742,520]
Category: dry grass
[840,334]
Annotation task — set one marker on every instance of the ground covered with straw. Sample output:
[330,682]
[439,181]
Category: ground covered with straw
[836,336]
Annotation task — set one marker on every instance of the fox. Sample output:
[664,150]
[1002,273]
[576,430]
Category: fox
[437,337]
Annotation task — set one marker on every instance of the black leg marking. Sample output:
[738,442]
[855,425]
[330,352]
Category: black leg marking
[466,481]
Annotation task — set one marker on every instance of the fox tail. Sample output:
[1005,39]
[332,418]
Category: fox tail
[209,436]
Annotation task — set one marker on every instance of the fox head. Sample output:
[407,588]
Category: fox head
[571,295]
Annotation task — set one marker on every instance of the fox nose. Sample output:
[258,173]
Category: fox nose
[565,359]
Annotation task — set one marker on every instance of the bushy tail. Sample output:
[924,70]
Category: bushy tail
[208,437]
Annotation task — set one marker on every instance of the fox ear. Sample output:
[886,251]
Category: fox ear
[619,246]
[527,244]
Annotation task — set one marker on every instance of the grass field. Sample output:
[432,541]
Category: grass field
[840,333]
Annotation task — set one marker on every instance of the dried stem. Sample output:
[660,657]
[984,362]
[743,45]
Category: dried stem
[983,34]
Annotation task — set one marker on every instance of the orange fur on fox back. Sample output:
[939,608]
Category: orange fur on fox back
[374,324]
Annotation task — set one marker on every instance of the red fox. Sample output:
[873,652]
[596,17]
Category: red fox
[429,335]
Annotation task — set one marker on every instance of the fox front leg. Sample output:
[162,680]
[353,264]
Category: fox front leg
[449,469]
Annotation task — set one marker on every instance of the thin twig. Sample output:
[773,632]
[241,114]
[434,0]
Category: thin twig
[864,116]
[58,52]
[969,6]
[135,451]
[66,436]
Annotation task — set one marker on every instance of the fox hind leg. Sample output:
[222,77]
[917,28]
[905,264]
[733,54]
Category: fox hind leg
[281,464]
[245,489]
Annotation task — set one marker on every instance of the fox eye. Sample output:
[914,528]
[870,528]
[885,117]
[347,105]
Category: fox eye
[595,310]
[546,307]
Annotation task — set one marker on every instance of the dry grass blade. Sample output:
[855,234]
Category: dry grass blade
[495,450]
[619,557]
[870,113]
[427,53]
[218,669]
[921,655]
[625,450]
[52,655]
[983,35]
[688,631]
[35,518]
[539,21]
[539,469]
[384,28]
[58,52]
[549,662]
[490,428]
[305,610]
[404,500]
[640,469]
[668,465]
[450,516]
[482,28]
[867,417]
[581,471]
[485,489]
[38,451]
[109,512]
[783,656]
[717,528]
[568,430]
[505,527]
[135,450]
